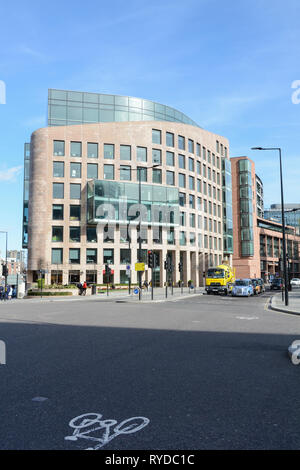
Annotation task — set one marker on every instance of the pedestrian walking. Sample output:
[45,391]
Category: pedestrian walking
[84,287]
[146,285]
[80,288]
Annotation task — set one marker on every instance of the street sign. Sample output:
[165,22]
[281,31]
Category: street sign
[136,291]
[140,266]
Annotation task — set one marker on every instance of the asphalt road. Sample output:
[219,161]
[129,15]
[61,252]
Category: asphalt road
[207,372]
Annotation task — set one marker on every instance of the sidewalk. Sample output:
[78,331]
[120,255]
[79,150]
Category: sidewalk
[122,296]
[294,302]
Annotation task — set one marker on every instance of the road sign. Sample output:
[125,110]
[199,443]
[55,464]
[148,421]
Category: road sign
[140,266]
[136,291]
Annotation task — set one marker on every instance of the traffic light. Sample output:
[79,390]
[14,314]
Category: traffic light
[168,265]
[180,267]
[4,270]
[107,270]
[150,259]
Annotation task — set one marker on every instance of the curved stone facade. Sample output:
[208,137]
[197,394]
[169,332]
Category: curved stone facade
[198,234]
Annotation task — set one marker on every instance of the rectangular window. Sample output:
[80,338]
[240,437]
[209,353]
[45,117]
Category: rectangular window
[198,168]
[204,171]
[74,255]
[74,234]
[142,173]
[75,170]
[109,151]
[58,169]
[156,176]
[91,234]
[181,161]
[75,149]
[92,150]
[208,156]
[108,172]
[199,203]
[198,150]
[58,190]
[108,256]
[192,239]
[192,220]
[204,153]
[57,256]
[169,139]
[92,170]
[181,180]
[191,164]
[182,219]
[156,136]
[170,158]
[170,178]
[91,256]
[75,191]
[57,234]
[191,146]
[58,212]
[191,183]
[182,239]
[181,142]
[58,148]
[75,212]
[125,152]
[141,154]
[191,201]
[182,199]
[217,146]
[156,156]
[125,256]
[209,173]
[198,186]
[125,173]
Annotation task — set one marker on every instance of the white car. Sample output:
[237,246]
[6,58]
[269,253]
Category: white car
[295,282]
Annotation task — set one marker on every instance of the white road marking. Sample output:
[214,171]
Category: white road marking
[247,318]
[39,399]
[93,422]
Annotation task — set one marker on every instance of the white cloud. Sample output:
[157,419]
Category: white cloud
[10,174]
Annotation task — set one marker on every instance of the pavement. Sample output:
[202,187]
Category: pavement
[293,306]
[159,295]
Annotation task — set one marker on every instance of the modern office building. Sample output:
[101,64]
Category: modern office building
[111,171]
[291,214]
[257,242]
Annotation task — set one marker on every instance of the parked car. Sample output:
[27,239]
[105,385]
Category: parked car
[242,287]
[262,284]
[295,282]
[276,283]
[256,286]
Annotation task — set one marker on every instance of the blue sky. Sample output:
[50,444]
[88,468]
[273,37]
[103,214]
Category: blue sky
[227,65]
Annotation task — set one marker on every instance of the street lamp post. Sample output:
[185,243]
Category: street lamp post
[6,238]
[283,222]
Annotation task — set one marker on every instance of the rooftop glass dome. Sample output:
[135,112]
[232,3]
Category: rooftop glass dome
[74,107]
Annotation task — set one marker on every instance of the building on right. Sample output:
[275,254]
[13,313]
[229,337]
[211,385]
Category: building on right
[291,214]
[257,241]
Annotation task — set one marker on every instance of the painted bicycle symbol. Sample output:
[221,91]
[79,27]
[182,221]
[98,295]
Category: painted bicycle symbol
[90,426]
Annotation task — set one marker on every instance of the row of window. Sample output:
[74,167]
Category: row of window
[126,152]
[184,143]
[126,175]
[91,232]
[125,254]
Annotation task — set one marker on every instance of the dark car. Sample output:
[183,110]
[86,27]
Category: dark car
[276,283]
